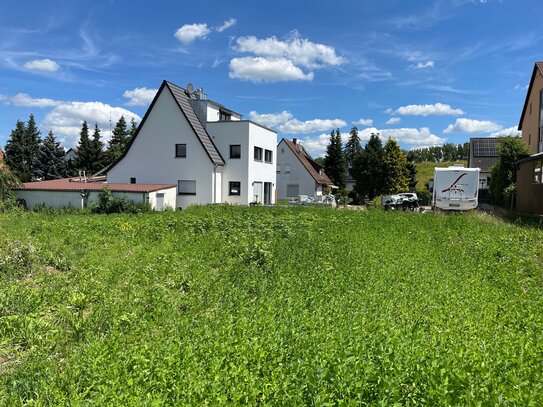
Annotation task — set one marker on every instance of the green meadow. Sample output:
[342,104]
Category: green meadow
[276,306]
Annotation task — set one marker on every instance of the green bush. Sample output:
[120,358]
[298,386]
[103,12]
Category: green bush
[108,203]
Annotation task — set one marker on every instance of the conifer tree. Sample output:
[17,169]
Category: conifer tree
[412,171]
[15,154]
[97,154]
[50,162]
[396,176]
[133,128]
[369,173]
[334,161]
[353,149]
[119,140]
[83,161]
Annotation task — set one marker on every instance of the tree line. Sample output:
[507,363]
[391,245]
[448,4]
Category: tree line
[436,154]
[31,158]
[376,169]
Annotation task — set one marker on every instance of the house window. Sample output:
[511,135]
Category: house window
[282,150]
[180,150]
[223,116]
[258,154]
[268,156]
[235,151]
[234,188]
[293,190]
[278,169]
[186,187]
[287,169]
[132,180]
[538,164]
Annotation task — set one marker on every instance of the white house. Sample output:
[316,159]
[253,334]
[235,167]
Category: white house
[297,173]
[80,193]
[206,149]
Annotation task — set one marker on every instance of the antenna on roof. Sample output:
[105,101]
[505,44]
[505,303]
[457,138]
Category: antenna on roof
[190,88]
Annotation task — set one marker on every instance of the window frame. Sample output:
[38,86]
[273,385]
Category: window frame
[293,185]
[233,157]
[270,161]
[177,150]
[133,180]
[179,192]
[258,149]
[231,187]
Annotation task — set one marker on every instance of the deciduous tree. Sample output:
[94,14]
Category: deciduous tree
[396,176]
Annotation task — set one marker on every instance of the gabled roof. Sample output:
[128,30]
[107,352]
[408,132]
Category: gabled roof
[75,184]
[538,67]
[181,97]
[314,169]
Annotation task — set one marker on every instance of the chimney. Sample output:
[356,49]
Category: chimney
[295,140]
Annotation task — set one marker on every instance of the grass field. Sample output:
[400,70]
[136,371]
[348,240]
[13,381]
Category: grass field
[287,306]
[425,171]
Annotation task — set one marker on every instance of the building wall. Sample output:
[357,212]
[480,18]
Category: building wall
[151,157]
[213,113]
[530,123]
[529,194]
[245,169]
[297,175]
[73,199]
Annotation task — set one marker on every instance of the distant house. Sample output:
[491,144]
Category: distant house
[71,154]
[483,154]
[297,173]
[529,170]
[80,193]
[204,148]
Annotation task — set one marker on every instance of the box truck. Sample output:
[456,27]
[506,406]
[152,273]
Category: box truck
[455,188]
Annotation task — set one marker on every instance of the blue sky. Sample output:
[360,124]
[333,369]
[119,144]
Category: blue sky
[424,72]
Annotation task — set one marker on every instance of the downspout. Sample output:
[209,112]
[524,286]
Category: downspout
[214,183]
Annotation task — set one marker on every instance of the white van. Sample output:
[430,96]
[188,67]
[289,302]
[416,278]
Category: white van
[456,188]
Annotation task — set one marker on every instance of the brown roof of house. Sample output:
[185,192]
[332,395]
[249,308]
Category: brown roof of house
[75,184]
[538,67]
[307,161]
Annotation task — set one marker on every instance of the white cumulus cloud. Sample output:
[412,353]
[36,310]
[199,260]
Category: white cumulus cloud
[393,120]
[42,65]
[510,131]
[295,126]
[364,122]
[437,109]
[190,32]
[139,96]
[472,126]
[270,119]
[413,137]
[227,24]
[258,69]
[66,118]
[23,99]
[300,51]
[422,65]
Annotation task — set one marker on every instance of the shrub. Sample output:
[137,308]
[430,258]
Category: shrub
[109,203]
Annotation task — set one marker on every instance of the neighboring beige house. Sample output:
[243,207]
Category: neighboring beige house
[297,173]
[529,175]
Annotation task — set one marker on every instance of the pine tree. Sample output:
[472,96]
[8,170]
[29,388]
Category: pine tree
[32,141]
[119,140]
[133,128]
[50,162]
[369,179]
[396,176]
[353,149]
[97,154]
[83,161]
[334,161]
[412,171]
[14,153]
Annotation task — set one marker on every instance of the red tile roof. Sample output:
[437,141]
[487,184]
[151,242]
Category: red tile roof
[75,184]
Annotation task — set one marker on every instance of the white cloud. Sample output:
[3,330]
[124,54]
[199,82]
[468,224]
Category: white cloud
[393,120]
[300,51]
[364,122]
[258,69]
[422,65]
[22,99]
[472,126]
[190,32]
[66,118]
[521,87]
[42,65]
[139,96]
[286,123]
[270,119]
[295,126]
[413,137]
[510,131]
[437,109]
[227,24]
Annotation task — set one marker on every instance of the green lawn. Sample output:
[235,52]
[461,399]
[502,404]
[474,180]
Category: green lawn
[286,306]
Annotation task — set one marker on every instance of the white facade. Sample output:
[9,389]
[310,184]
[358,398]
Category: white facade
[151,157]
[257,177]
[293,179]
[77,200]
